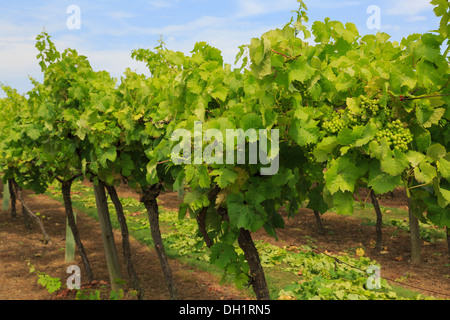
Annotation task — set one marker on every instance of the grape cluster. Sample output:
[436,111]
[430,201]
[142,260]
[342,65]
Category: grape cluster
[309,150]
[356,120]
[369,108]
[372,106]
[334,124]
[397,136]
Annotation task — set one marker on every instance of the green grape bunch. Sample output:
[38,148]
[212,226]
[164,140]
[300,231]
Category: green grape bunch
[368,109]
[309,152]
[356,119]
[371,106]
[397,135]
[374,108]
[334,124]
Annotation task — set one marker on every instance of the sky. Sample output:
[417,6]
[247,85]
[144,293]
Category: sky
[107,31]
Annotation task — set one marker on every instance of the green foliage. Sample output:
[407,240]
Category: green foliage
[427,231]
[49,283]
[93,295]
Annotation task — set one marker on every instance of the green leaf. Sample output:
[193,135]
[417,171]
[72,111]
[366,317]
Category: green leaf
[394,163]
[300,70]
[425,173]
[444,166]
[243,215]
[33,133]
[367,135]
[304,133]
[190,173]
[82,128]
[127,164]
[251,121]
[223,254]
[428,116]
[343,174]
[202,176]
[343,202]
[415,158]
[380,181]
[436,214]
[220,93]
[152,175]
[109,154]
[348,136]
[443,193]
[225,177]
[422,138]
[196,200]
[261,57]
[324,148]
[436,152]
[316,201]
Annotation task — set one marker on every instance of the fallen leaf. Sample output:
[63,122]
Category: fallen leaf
[286,297]
[399,259]
[360,252]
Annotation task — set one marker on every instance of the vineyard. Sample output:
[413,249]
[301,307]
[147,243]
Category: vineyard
[318,168]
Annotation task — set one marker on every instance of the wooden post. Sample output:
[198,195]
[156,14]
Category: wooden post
[6,196]
[414,231]
[70,242]
[109,245]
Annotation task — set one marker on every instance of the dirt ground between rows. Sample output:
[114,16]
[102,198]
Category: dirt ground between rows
[18,246]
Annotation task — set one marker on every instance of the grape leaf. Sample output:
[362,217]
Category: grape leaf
[380,181]
[343,174]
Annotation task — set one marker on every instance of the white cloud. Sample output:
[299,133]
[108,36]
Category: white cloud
[408,7]
[248,8]
[391,27]
[161,4]
[121,15]
[416,18]
[18,55]
[187,28]
[332,4]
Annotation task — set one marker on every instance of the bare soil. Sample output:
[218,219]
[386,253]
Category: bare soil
[18,246]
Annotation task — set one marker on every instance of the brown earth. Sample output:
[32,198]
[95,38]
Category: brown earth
[19,245]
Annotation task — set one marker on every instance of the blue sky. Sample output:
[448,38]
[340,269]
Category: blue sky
[111,29]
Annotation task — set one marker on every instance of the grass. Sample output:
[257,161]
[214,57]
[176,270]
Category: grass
[396,217]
